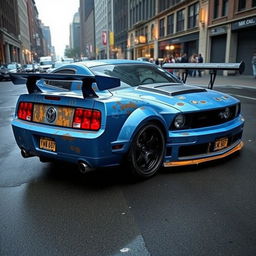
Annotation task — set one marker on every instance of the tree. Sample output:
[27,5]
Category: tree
[72,53]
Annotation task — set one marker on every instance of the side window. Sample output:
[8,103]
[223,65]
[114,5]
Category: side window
[61,84]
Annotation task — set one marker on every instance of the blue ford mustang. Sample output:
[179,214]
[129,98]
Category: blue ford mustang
[106,113]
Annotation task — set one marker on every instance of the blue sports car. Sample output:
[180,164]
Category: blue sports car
[112,112]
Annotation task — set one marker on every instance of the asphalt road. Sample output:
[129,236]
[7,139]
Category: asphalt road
[50,209]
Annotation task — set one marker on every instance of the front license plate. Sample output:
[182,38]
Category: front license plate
[220,144]
[47,144]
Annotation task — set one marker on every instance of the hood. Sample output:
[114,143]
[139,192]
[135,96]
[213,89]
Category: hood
[184,98]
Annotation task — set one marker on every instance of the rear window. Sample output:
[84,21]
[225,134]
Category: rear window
[61,84]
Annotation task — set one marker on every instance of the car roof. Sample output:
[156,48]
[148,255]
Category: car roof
[93,63]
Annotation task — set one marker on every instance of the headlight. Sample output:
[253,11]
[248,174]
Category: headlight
[179,121]
[226,113]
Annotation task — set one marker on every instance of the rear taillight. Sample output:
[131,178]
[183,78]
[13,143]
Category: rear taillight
[87,119]
[25,111]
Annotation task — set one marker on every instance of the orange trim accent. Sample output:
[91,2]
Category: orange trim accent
[202,160]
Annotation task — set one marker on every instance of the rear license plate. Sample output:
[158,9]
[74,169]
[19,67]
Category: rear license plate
[220,144]
[47,144]
[63,117]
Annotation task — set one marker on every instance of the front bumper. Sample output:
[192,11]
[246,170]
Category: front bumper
[206,158]
[198,145]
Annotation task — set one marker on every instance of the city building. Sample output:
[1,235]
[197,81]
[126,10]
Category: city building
[24,32]
[75,34]
[10,46]
[142,29]
[120,28]
[232,31]
[35,32]
[87,29]
[104,28]
[47,40]
[161,28]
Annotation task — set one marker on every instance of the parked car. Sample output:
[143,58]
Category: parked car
[30,67]
[143,59]
[111,112]
[59,64]
[46,62]
[5,70]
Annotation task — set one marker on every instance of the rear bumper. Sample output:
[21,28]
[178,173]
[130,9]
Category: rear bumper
[71,146]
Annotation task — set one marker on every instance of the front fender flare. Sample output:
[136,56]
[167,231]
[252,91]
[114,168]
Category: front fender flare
[134,122]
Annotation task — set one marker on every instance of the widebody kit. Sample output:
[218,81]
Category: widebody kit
[107,113]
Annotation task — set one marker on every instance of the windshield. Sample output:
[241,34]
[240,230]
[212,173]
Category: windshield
[136,74]
[46,63]
[11,66]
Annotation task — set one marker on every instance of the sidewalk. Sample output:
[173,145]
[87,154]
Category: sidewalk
[223,80]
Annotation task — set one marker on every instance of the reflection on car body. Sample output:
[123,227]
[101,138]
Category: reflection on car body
[115,111]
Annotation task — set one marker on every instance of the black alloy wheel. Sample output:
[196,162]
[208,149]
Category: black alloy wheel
[147,151]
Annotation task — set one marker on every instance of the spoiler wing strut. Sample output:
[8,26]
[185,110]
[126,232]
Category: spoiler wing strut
[103,82]
[213,67]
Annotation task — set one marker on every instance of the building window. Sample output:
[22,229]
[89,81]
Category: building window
[224,8]
[165,4]
[152,32]
[161,28]
[216,9]
[180,20]
[193,11]
[241,5]
[253,3]
[170,24]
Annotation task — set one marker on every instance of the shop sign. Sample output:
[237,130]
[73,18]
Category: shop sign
[244,23]
[104,37]
[183,39]
[218,31]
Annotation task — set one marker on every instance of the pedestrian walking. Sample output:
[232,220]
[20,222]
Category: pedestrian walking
[254,64]
[193,59]
[184,59]
[177,59]
[200,60]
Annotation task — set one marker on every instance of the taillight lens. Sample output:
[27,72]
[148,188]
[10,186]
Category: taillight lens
[25,111]
[88,119]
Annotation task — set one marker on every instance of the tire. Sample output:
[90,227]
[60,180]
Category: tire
[147,151]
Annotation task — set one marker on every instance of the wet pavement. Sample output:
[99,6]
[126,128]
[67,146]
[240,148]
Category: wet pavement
[52,209]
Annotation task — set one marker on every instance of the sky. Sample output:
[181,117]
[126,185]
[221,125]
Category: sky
[57,14]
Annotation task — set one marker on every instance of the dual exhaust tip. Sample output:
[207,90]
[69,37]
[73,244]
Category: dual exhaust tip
[83,167]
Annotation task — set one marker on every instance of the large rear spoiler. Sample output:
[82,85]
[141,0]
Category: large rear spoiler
[103,82]
[213,67]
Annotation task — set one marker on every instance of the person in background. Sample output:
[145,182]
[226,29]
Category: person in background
[254,64]
[177,60]
[193,59]
[200,60]
[170,60]
[184,59]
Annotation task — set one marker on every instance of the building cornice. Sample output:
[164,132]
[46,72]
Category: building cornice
[226,22]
